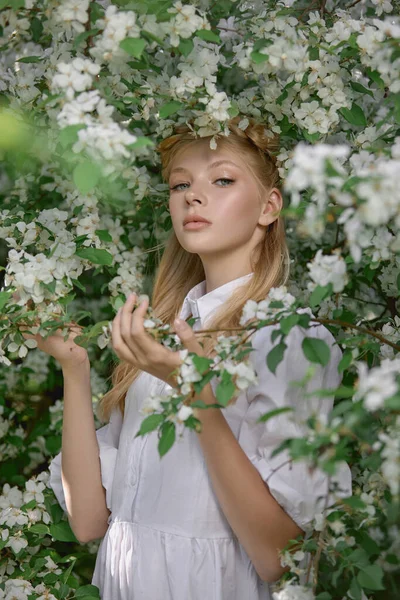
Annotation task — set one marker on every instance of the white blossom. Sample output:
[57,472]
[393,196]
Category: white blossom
[325,269]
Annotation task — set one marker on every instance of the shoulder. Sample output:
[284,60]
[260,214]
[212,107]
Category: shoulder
[292,345]
[278,361]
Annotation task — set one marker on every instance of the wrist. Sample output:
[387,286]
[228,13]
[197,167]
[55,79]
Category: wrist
[76,370]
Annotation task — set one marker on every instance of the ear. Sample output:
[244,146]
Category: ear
[271,207]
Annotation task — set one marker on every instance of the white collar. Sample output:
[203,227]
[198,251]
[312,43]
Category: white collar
[202,305]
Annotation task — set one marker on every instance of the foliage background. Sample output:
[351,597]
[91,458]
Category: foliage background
[87,89]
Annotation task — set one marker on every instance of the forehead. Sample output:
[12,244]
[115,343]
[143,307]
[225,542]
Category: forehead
[200,152]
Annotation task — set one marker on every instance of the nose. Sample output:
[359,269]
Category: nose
[193,196]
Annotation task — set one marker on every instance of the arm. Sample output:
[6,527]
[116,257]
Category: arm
[85,496]
[257,519]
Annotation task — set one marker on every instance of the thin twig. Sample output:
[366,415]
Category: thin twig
[317,320]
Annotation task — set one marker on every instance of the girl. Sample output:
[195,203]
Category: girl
[207,521]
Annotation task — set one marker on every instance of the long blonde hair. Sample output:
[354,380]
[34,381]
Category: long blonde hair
[179,270]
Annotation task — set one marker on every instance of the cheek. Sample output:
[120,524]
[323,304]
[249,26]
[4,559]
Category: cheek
[240,211]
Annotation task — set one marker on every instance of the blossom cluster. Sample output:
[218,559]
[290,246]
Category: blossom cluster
[89,89]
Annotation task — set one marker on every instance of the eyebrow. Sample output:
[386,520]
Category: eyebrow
[214,164]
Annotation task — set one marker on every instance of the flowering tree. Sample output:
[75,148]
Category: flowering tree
[87,89]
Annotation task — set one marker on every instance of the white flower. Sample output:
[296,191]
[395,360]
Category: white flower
[73,12]
[293,592]
[17,542]
[70,80]
[369,385]
[11,496]
[326,269]
[151,404]
[13,516]
[34,491]
[184,412]
[50,567]
[244,374]
[262,310]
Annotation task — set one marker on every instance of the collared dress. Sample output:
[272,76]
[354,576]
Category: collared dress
[168,538]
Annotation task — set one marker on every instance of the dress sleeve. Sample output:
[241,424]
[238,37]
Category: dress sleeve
[108,440]
[301,493]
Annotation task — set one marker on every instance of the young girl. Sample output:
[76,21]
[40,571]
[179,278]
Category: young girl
[207,520]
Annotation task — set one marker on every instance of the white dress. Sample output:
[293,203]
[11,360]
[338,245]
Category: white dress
[168,538]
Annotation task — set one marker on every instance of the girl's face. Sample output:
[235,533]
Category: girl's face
[217,185]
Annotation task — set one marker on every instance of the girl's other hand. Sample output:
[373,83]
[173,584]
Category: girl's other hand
[67,353]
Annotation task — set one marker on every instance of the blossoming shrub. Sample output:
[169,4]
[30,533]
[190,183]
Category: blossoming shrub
[86,91]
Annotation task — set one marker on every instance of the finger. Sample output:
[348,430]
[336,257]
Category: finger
[138,317]
[116,338]
[122,349]
[188,338]
[126,313]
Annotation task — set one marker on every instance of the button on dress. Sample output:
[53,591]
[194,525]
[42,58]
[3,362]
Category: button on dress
[168,538]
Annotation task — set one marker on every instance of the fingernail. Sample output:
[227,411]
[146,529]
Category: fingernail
[179,324]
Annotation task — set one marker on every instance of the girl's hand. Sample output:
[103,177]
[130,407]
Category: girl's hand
[67,353]
[132,343]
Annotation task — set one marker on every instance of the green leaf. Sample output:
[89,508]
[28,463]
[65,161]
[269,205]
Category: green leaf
[225,389]
[62,532]
[371,578]
[393,403]
[360,88]
[69,135]
[53,443]
[56,512]
[36,28]
[78,284]
[83,36]
[316,350]
[323,596]
[359,558]
[208,36]
[167,437]
[40,529]
[96,256]
[345,361]
[150,423]
[355,115]
[202,363]
[233,110]
[133,46]
[354,502]
[141,142]
[375,77]
[186,46]
[319,293]
[258,57]
[63,591]
[86,591]
[4,297]
[104,235]
[275,356]
[29,59]
[86,175]
[355,589]
[65,576]
[170,108]
[96,12]
[287,323]
[272,413]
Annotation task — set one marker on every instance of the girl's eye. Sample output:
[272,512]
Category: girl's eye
[220,179]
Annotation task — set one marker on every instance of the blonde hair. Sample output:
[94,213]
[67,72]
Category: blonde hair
[178,270]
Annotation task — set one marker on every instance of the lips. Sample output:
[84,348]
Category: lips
[195,220]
